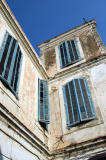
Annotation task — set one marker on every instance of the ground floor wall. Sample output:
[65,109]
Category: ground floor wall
[18,145]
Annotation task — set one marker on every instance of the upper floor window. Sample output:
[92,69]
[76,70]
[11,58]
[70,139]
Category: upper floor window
[69,53]
[43,103]
[10,63]
[78,102]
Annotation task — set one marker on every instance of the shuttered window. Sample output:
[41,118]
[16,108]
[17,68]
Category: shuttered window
[10,63]
[69,53]
[78,102]
[43,101]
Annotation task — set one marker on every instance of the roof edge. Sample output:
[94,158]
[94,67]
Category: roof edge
[79,27]
[23,38]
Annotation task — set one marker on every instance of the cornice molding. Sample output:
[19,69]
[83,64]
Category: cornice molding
[77,68]
[70,32]
[79,149]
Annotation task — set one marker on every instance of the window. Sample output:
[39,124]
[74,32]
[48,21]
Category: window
[78,102]
[69,53]
[43,103]
[10,63]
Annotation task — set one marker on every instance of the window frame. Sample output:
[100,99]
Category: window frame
[66,53]
[81,55]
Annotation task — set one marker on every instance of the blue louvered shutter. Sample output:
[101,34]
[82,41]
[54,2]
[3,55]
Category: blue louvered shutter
[72,114]
[74,51]
[10,63]
[84,100]
[69,53]
[43,101]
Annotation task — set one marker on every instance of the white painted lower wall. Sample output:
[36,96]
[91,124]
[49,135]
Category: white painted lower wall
[15,147]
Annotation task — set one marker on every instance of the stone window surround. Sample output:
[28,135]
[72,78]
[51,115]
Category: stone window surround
[88,124]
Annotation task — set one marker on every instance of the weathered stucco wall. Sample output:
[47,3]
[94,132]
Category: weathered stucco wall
[90,45]
[48,58]
[13,144]
[26,107]
[63,138]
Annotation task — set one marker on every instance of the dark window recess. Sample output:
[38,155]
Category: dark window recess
[43,103]
[10,63]
[78,102]
[69,53]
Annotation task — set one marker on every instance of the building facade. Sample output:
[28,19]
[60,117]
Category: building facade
[52,107]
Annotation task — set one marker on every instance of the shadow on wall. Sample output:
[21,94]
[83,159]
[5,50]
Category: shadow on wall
[1,157]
